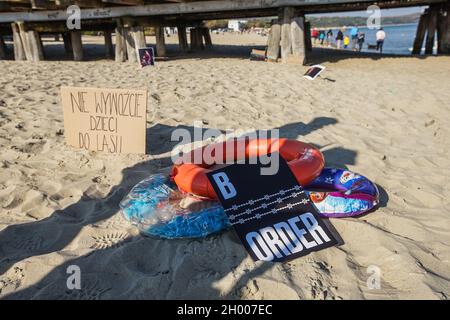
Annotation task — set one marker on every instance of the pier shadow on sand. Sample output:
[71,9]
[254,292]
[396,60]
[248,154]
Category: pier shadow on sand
[151,274]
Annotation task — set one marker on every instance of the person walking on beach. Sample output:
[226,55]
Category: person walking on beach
[329,37]
[346,42]
[321,36]
[361,39]
[381,35]
[339,38]
[354,35]
[315,35]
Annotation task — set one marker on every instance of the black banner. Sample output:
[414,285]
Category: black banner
[271,214]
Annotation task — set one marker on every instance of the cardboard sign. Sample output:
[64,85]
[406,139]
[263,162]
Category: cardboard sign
[272,214]
[146,57]
[106,120]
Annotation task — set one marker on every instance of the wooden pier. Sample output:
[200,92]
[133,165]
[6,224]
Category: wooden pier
[25,21]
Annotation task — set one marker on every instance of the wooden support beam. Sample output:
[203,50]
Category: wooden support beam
[160,42]
[109,49]
[198,34]
[432,25]
[2,48]
[131,46]
[43,5]
[19,52]
[193,37]
[286,44]
[125,2]
[273,42]
[31,43]
[139,39]
[298,39]
[308,44]
[420,33]
[444,30]
[77,45]
[206,37]
[182,39]
[40,44]
[80,3]
[24,39]
[67,44]
[121,47]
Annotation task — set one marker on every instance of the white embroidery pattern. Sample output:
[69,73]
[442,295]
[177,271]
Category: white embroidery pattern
[267,197]
[273,211]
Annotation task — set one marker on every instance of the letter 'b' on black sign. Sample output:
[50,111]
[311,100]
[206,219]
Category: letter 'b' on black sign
[271,214]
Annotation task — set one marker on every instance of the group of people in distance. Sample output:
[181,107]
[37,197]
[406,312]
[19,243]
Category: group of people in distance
[355,38]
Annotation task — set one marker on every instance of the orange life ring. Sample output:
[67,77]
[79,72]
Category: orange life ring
[305,161]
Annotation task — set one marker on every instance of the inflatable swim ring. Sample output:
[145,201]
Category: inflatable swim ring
[156,207]
[305,161]
[347,193]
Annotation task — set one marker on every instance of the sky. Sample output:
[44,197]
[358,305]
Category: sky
[384,12]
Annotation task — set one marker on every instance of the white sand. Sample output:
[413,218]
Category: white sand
[387,119]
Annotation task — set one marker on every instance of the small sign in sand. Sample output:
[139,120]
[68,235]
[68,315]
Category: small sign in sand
[106,120]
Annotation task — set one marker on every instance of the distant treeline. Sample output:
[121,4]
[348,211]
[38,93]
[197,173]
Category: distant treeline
[322,22]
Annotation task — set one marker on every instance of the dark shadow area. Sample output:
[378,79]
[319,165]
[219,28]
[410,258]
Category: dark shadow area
[384,197]
[159,136]
[339,157]
[70,220]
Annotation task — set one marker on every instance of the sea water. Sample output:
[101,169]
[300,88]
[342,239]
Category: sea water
[399,38]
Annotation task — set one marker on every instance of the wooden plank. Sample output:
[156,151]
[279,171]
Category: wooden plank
[80,3]
[286,46]
[207,37]
[19,52]
[139,39]
[431,30]
[31,43]
[184,8]
[160,42]
[43,5]
[420,33]
[37,49]
[193,38]
[67,44]
[121,48]
[25,41]
[443,26]
[182,39]
[308,44]
[298,39]
[77,45]
[131,46]
[273,46]
[198,34]
[2,48]
[125,2]
[109,49]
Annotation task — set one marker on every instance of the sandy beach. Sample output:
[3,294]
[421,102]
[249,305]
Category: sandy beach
[387,119]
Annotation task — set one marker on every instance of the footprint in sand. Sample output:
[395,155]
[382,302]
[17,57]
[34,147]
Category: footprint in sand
[110,240]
